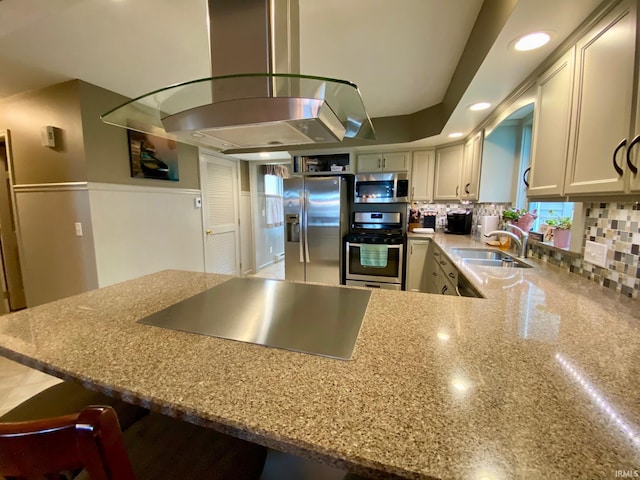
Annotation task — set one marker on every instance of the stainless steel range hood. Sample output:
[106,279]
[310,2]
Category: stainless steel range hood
[256,96]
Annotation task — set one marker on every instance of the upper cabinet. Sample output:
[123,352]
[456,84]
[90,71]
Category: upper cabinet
[422,173]
[471,167]
[602,104]
[383,162]
[551,129]
[448,172]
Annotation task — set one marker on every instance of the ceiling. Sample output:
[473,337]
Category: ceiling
[401,53]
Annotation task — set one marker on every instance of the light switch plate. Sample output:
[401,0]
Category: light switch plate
[595,253]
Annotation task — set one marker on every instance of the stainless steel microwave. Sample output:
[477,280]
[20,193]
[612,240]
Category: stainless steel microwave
[381,188]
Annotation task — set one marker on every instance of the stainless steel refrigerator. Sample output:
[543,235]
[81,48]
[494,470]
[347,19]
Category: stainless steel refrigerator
[316,211]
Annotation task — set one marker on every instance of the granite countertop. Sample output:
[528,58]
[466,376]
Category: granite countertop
[538,380]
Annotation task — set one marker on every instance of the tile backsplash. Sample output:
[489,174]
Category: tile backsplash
[617,226]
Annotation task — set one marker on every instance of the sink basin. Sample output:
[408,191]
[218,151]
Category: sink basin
[495,263]
[480,253]
[487,257]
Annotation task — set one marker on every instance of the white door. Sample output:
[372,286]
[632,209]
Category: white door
[221,216]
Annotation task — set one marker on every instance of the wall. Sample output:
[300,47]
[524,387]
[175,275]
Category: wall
[25,114]
[107,149]
[140,225]
[51,193]
[56,262]
[141,230]
[500,160]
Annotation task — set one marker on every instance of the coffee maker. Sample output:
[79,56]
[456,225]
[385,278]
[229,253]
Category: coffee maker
[459,222]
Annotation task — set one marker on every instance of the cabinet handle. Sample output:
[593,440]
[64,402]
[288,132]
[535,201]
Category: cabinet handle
[379,163]
[384,163]
[466,188]
[457,187]
[411,249]
[442,262]
[444,289]
[452,275]
[435,274]
[525,177]
[615,154]
[631,166]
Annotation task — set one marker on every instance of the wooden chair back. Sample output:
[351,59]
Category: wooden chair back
[49,448]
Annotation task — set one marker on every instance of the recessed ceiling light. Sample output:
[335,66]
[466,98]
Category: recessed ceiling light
[531,41]
[479,106]
[455,135]
[443,336]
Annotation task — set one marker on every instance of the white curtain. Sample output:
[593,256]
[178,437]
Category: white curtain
[274,210]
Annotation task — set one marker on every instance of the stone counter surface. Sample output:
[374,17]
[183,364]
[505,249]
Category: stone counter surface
[538,381]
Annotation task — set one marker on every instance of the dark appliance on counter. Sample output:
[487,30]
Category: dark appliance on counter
[316,211]
[375,250]
[381,188]
[429,219]
[459,223]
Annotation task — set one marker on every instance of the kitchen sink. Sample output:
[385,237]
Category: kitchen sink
[496,263]
[488,258]
[480,253]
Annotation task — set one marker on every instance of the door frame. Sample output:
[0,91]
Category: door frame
[204,157]
[5,135]
[254,165]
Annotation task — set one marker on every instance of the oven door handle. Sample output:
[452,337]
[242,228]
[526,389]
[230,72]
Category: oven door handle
[360,244]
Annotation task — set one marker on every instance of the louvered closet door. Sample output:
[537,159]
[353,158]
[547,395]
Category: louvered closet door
[220,181]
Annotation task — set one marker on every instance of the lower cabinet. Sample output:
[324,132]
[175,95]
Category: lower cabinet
[444,275]
[417,265]
[429,270]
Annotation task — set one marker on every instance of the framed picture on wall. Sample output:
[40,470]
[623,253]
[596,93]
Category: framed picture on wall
[153,157]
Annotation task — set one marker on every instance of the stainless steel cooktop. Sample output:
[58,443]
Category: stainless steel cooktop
[317,319]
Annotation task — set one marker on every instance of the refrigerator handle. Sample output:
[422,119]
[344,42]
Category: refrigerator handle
[303,226]
[306,226]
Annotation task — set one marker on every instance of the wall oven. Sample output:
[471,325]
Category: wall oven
[375,251]
[381,188]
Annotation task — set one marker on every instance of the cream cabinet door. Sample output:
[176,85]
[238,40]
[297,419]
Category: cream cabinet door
[448,171]
[396,162]
[551,120]
[416,265]
[369,162]
[422,170]
[471,167]
[602,103]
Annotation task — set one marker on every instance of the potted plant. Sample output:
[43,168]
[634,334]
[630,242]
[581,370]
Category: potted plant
[561,230]
[520,217]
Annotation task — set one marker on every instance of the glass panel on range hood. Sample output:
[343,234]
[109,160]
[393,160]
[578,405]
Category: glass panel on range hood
[248,95]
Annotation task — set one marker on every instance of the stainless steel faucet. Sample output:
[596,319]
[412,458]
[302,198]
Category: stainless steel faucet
[521,241]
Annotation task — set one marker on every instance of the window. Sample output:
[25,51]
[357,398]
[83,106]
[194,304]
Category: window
[273,185]
[559,209]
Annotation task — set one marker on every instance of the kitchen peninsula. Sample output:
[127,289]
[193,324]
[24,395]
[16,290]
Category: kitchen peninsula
[538,380]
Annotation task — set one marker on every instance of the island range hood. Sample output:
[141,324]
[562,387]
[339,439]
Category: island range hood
[256,97]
